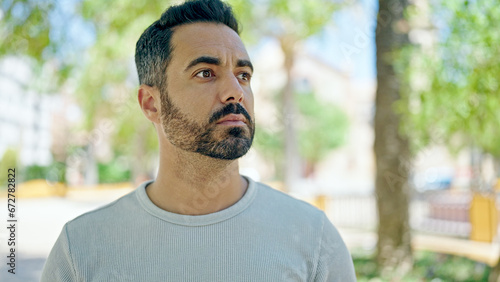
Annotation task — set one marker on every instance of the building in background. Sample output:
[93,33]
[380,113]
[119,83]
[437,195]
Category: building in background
[25,115]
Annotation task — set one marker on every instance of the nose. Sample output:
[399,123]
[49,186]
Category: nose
[231,90]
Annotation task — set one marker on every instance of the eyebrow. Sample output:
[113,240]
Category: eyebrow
[203,59]
[244,63]
[215,61]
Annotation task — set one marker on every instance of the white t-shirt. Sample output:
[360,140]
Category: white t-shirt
[265,236]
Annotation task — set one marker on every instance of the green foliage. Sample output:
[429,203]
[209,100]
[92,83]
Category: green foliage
[108,85]
[38,32]
[25,28]
[453,86]
[10,159]
[132,127]
[55,172]
[114,171]
[427,266]
[321,127]
[109,76]
[269,142]
[281,18]
[34,172]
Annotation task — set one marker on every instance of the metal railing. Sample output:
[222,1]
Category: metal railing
[439,212]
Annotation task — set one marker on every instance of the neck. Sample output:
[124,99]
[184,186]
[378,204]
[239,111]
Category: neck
[193,184]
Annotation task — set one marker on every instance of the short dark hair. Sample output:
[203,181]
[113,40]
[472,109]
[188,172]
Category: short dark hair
[153,49]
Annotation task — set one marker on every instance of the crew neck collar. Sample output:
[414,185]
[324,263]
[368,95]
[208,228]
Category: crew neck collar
[197,220]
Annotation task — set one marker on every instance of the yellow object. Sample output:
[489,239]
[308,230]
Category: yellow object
[497,186]
[483,218]
[39,188]
[320,202]
[103,186]
[278,185]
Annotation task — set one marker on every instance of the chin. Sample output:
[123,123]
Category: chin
[231,148]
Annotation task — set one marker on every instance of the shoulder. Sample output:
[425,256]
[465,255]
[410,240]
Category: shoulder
[310,226]
[105,215]
[288,208]
[286,201]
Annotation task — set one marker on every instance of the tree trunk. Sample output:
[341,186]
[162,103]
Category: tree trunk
[476,161]
[394,253]
[291,167]
[91,173]
[497,167]
[309,169]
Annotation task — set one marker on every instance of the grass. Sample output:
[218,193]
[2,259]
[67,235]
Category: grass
[428,266]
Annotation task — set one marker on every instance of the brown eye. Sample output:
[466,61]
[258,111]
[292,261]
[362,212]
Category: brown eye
[205,74]
[244,76]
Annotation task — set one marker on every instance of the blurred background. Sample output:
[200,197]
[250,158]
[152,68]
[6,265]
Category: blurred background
[385,114]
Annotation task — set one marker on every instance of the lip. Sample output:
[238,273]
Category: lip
[233,120]
[232,123]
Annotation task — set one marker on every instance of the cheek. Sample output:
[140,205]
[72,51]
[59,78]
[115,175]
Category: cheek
[248,103]
[195,109]
[199,110]
[191,100]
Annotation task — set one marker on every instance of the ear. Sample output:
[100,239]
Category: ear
[149,100]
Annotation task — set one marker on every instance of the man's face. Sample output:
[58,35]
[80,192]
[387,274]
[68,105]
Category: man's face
[207,106]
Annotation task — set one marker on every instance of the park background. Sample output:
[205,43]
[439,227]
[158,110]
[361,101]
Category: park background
[382,113]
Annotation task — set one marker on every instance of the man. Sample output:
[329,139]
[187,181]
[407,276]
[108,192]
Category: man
[199,220]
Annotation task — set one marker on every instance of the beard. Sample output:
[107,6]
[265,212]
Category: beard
[208,139]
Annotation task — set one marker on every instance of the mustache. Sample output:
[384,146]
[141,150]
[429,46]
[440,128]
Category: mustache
[231,108]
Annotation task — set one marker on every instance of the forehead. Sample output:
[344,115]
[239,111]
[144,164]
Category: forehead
[198,39]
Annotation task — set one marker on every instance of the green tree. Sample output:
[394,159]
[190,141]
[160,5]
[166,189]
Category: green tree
[453,83]
[38,32]
[108,85]
[321,127]
[10,159]
[25,29]
[104,73]
[392,154]
[455,87]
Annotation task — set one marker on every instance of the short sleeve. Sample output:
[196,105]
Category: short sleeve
[335,261]
[59,265]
